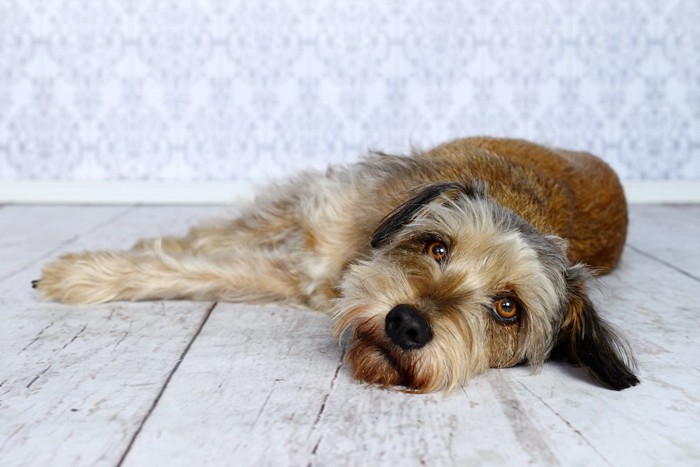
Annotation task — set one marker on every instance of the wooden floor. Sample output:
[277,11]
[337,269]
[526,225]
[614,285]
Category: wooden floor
[182,383]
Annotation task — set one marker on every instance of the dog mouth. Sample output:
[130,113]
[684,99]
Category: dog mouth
[375,361]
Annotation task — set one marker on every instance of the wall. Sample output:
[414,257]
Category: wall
[246,90]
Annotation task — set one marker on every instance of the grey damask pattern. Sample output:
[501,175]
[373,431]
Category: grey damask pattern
[254,89]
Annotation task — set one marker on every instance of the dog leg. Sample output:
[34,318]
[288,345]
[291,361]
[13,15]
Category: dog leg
[171,245]
[265,229]
[271,252]
[98,277]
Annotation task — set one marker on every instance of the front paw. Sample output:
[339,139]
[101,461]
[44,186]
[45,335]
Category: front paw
[72,279]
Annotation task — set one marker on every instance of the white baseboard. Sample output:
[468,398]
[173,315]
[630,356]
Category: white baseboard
[672,191]
[228,192]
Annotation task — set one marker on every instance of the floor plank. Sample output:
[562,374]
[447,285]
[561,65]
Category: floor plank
[265,385]
[491,422]
[254,375]
[77,382]
[670,233]
[76,392]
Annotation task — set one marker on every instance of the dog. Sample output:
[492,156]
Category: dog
[435,266]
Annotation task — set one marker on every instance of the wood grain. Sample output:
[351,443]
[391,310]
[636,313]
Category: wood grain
[142,384]
[76,382]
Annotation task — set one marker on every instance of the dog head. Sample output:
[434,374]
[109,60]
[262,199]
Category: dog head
[455,284]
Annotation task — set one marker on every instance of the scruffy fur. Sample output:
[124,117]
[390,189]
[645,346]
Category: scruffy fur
[414,257]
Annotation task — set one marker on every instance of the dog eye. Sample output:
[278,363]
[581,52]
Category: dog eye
[506,308]
[437,250]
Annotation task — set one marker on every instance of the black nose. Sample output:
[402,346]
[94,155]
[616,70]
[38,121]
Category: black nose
[406,328]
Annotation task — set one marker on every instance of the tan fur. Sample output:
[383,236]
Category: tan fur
[307,242]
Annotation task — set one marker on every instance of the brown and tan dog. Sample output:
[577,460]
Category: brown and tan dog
[436,266]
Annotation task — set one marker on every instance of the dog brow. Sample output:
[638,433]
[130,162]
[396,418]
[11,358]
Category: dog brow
[402,215]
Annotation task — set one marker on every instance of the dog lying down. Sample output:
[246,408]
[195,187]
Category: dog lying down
[435,267]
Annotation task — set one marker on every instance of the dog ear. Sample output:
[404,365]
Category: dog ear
[588,340]
[405,213]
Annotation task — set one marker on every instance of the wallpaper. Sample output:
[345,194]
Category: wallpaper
[254,89]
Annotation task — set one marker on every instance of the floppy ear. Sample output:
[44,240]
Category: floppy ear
[586,339]
[405,213]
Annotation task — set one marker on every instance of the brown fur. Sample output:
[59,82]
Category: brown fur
[515,217]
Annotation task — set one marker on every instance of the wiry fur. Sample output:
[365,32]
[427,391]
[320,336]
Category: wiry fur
[516,218]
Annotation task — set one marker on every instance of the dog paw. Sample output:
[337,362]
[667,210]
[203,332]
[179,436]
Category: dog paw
[72,279]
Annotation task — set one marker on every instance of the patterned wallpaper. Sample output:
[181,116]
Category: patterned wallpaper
[252,89]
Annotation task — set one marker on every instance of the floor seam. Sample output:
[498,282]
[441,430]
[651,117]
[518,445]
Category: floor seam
[322,409]
[664,262]
[566,422]
[166,384]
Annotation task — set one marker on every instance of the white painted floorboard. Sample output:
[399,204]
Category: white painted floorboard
[183,383]
[76,382]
